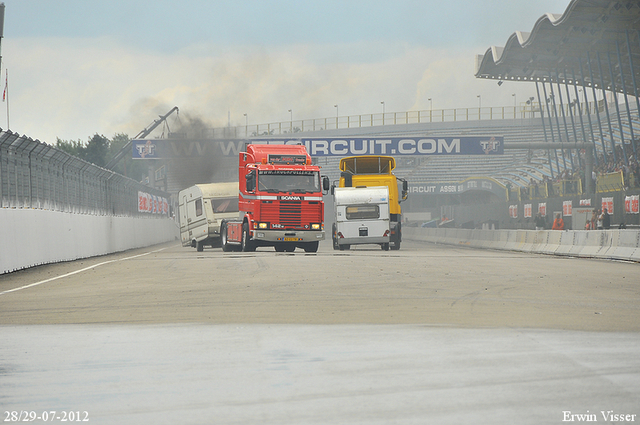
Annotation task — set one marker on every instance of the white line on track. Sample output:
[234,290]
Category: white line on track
[79,271]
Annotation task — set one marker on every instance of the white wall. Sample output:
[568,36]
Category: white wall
[607,244]
[30,237]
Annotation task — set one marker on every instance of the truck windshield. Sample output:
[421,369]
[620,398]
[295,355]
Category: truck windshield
[293,181]
[221,205]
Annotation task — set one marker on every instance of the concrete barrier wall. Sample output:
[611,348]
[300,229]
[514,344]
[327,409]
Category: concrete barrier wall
[608,244]
[30,237]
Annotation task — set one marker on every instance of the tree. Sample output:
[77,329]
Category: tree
[73,148]
[96,150]
[99,150]
[135,169]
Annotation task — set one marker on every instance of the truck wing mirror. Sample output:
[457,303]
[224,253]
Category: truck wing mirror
[325,184]
[405,190]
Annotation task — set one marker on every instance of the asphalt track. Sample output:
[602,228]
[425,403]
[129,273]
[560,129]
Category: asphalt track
[427,334]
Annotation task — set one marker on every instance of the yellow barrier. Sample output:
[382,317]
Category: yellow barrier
[611,182]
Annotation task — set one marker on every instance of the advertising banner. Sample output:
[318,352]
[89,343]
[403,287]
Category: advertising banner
[319,147]
[513,211]
[608,204]
[631,204]
[527,210]
[542,209]
[152,204]
[567,208]
[474,183]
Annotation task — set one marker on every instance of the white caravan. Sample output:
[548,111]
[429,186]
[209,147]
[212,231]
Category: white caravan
[362,216]
[202,208]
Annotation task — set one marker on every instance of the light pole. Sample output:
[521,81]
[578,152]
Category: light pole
[515,106]
[430,104]
[290,115]
[479,107]
[382,103]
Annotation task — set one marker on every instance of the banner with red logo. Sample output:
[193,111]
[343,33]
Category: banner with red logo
[152,204]
[608,204]
[542,209]
[567,208]
[631,204]
[513,211]
[527,210]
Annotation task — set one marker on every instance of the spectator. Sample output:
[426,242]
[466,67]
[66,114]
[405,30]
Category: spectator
[539,222]
[599,220]
[558,223]
[606,219]
[594,219]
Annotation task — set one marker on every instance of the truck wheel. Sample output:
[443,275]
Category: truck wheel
[247,244]
[396,242]
[311,246]
[334,237]
[200,246]
[385,246]
[223,238]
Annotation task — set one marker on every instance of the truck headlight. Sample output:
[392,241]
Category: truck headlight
[315,226]
[263,225]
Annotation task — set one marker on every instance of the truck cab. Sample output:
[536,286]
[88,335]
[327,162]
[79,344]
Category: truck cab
[280,200]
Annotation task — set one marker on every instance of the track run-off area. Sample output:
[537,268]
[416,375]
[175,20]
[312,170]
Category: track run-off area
[427,334]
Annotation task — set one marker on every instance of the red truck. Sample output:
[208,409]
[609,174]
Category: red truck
[280,201]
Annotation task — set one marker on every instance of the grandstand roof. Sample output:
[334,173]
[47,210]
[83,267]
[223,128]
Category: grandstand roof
[600,33]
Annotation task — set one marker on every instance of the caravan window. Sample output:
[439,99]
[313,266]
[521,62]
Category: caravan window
[221,205]
[360,212]
[198,207]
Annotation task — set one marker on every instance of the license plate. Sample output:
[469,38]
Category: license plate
[291,239]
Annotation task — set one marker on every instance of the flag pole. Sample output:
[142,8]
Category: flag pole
[6,94]
[1,37]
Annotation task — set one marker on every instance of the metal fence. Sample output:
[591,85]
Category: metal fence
[523,111]
[39,176]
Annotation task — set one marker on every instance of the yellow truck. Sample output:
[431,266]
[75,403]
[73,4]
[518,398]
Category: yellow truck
[372,171]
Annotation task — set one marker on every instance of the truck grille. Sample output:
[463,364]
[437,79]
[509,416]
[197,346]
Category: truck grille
[290,213]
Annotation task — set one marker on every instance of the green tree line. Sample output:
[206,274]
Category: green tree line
[99,150]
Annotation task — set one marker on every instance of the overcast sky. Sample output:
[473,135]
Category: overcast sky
[80,67]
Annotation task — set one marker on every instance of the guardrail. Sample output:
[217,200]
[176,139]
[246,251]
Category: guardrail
[604,244]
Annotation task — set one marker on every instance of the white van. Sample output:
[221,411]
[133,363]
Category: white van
[202,208]
[362,216]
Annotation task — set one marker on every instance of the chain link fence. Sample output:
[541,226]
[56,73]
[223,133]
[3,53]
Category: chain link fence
[38,176]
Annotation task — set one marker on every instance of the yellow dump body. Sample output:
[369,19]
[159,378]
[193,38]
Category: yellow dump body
[372,170]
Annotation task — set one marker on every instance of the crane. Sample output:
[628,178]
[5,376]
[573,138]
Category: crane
[144,133]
